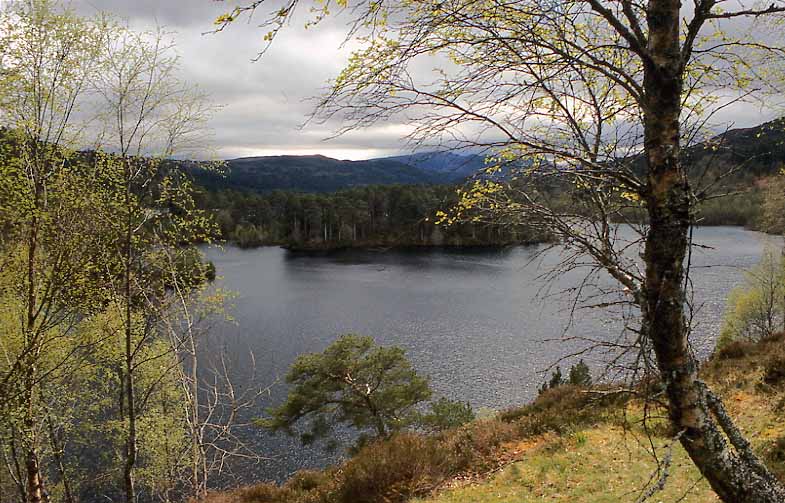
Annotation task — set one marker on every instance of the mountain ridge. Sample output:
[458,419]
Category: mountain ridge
[759,151]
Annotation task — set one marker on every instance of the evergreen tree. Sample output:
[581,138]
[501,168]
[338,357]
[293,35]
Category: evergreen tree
[580,375]
[370,388]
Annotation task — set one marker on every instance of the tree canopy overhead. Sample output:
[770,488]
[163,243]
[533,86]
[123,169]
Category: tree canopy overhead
[601,96]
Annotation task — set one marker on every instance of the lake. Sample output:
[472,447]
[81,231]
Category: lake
[478,323]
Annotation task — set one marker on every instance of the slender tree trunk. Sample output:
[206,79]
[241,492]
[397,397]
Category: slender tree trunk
[780,287]
[58,449]
[710,438]
[16,470]
[35,485]
[198,457]
[131,441]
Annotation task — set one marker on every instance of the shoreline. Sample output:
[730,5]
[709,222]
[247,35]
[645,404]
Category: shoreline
[381,247]
[384,246]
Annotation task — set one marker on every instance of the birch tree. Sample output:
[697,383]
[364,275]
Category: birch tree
[149,116]
[599,98]
[46,54]
[101,241]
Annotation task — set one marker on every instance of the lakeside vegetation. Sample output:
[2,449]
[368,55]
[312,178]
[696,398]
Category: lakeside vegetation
[560,446]
[375,216]
[384,216]
[105,301]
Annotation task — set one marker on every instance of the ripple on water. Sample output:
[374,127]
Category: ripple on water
[471,320]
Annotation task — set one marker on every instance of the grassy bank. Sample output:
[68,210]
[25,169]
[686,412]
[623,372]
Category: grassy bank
[570,444]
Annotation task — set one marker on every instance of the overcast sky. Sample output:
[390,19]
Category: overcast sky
[264,102]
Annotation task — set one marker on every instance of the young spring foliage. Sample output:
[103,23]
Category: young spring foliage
[97,262]
[756,309]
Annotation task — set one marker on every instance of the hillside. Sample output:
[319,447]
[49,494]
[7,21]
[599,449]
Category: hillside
[607,463]
[447,166]
[317,173]
[570,445]
[755,152]
[313,173]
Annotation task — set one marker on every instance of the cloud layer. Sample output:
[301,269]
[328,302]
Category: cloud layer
[266,102]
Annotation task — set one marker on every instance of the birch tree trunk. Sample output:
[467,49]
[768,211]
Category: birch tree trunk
[716,447]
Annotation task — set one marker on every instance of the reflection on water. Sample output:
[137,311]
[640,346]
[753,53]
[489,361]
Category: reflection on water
[473,320]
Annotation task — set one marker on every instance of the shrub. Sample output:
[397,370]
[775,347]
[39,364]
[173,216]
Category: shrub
[561,409]
[777,339]
[555,381]
[774,371]
[312,486]
[776,452]
[262,493]
[740,363]
[305,486]
[734,350]
[556,410]
[446,414]
[395,470]
[216,497]
[775,457]
[580,375]
[549,400]
[580,438]
[756,309]
[471,446]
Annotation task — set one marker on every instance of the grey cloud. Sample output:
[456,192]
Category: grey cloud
[181,13]
[264,102]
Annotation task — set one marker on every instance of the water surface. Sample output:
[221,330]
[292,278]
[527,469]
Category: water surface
[476,322]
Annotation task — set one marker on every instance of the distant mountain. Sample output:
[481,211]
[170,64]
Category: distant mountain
[759,151]
[754,152]
[313,173]
[448,166]
[317,173]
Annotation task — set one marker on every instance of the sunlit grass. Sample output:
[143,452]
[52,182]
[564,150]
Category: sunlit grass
[608,463]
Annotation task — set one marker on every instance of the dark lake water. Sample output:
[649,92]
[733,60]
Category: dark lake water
[474,321]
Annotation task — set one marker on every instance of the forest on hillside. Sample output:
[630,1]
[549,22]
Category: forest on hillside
[375,216]
[320,203]
[409,215]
